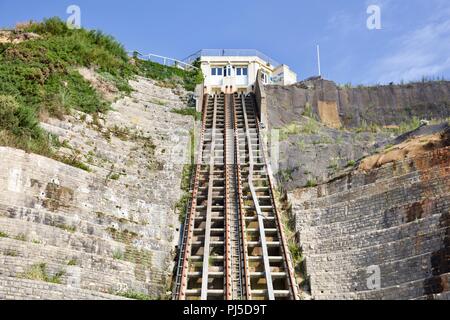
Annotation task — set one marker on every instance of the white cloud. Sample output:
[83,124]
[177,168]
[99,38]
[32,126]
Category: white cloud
[422,52]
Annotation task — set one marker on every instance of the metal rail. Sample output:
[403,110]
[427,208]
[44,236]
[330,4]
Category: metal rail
[262,232]
[207,240]
[233,245]
[243,244]
[284,244]
[167,61]
[228,199]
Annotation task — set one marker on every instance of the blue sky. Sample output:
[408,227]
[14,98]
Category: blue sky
[414,40]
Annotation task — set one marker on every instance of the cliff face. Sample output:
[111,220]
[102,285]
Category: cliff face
[109,230]
[371,208]
[390,222]
[325,128]
[380,105]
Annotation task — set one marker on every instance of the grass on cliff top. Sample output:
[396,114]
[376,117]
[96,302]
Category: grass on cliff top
[38,78]
[170,76]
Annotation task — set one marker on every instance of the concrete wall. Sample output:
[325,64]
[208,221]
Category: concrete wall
[284,76]
[261,100]
[394,218]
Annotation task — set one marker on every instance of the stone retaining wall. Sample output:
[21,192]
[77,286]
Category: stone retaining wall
[394,219]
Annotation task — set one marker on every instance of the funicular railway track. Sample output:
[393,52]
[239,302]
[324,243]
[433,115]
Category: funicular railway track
[233,246]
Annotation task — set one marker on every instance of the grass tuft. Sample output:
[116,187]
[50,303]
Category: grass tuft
[39,272]
[134,295]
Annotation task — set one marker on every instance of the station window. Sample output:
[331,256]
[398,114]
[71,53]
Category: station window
[241,71]
[265,78]
[216,71]
[228,71]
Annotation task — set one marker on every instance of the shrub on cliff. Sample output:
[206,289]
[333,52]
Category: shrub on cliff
[40,77]
[41,74]
[170,75]
[19,127]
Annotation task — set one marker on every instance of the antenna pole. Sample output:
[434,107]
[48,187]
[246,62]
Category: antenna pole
[318,60]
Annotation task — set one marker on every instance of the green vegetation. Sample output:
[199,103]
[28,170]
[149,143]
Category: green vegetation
[182,205]
[134,295]
[19,126]
[3,235]
[125,236]
[65,227]
[118,254]
[288,221]
[311,183]
[189,112]
[187,172]
[158,102]
[39,78]
[115,176]
[11,253]
[334,165]
[288,130]
[123,133]
[301,145]
[170,76]
[400,129]
[351,163]
[21,237]
[311,126]
[285,175]
[308,112]
[39,272]
[323,140]
[72,262]
[407,126]
[73,161]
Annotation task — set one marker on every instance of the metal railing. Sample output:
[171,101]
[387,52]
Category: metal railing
[230,52]
[166,61]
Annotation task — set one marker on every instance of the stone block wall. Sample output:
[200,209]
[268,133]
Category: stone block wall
[104,232]
[392,221]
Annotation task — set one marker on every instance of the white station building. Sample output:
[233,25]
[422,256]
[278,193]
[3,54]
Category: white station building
[235,70]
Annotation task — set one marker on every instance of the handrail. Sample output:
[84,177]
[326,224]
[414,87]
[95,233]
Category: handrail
[167,61]
[231,52]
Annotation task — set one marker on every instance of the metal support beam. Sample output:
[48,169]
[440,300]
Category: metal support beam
[206,247]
